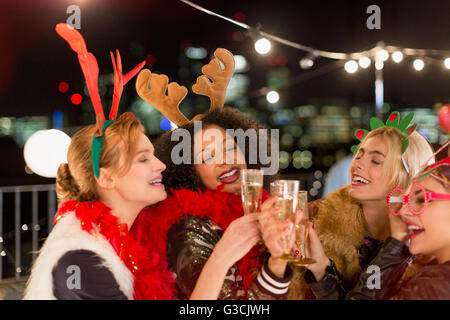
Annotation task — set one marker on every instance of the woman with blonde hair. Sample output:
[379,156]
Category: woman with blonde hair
[352,223]
[420,222]
[111,175]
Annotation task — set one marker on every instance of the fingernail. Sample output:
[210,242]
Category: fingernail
[313,226]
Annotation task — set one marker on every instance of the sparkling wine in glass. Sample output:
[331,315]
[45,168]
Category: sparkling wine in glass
[301,232]
[286,193]
[251,190]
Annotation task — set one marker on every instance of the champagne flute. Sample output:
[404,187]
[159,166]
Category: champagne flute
[286,192]
[251,190]
[301,232]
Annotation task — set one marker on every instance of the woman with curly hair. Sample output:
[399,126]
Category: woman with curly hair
[200,230]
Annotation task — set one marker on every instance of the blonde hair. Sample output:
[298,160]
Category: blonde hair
[418,152]
[75,180]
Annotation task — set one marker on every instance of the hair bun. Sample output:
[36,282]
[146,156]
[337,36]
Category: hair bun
[66,187]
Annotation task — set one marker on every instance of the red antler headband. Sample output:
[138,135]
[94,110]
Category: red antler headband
[90,70]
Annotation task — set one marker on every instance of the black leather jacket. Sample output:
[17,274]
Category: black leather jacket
[430,283]
[381,279]
[334,286]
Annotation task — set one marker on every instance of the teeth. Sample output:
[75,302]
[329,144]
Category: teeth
[156,181]
[414,228]
[359,179]
[229,174]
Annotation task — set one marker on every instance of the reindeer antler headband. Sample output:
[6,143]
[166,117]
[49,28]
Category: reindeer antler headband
[90,70]
[213,83]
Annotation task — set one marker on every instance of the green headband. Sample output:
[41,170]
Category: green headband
[97,148]
[405,127]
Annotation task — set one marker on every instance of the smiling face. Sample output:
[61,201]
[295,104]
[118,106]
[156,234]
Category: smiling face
[430,231]
[219,160]
[142,183]
[370,180]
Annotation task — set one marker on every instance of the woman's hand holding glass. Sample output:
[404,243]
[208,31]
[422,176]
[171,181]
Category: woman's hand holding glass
[275,231]
[315,251]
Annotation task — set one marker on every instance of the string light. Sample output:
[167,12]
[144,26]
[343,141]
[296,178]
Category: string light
[379,65]
[364,62]
[382,55]
[263,46]
[418,64]
[351,66]
[308,61]
[380,52]
[397,56]
[447,63]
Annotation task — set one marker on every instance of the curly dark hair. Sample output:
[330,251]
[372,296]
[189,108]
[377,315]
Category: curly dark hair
[178,176]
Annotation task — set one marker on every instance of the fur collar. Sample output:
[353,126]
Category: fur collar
[67,235]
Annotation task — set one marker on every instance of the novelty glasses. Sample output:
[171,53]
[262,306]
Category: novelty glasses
[418,198]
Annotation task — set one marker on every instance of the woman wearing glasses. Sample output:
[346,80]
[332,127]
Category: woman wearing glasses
[352,223]
[423,218]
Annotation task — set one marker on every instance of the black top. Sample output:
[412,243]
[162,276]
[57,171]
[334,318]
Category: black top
[334,286]
[80,275]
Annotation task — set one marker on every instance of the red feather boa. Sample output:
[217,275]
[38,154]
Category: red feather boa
[152,277]
[152,224]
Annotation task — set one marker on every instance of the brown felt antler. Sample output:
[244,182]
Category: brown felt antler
[213,83]
[217,89]
[156,95]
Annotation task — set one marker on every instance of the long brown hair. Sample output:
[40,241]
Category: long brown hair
[75,180]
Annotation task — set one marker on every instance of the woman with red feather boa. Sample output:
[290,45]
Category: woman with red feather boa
[200,230]
[111,175]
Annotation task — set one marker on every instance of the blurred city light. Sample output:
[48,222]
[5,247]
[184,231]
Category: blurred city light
[272,96]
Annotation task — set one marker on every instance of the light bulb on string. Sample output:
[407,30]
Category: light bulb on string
[272,96]
[397,56]
[351,66]
[382,55]
[418,64]
[308,61]
[364,62]
[447,63]
[379,65]
[263,46]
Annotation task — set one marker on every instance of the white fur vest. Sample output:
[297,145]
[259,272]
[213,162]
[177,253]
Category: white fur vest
[67,235]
